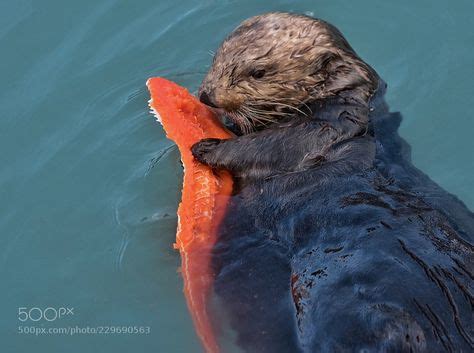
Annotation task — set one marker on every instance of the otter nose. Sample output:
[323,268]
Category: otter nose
[204,98]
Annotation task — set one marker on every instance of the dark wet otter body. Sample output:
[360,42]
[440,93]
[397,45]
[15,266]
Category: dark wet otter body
[334,241]
[342,259]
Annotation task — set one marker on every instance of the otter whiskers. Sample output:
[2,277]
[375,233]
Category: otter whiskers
[242,121]
[285,105]
[253,114]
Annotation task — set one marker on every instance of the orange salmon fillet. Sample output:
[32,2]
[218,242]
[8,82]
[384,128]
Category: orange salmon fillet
[204,198]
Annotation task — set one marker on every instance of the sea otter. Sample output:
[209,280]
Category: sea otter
[333,240]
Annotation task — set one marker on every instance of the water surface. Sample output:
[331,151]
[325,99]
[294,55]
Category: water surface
[89,185]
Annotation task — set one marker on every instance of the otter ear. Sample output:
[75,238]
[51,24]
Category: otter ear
[340,72]
[323,60]
[321,65]
[343,78]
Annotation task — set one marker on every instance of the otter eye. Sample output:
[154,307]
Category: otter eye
[257,73]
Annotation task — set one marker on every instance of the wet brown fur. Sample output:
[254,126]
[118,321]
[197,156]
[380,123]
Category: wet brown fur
[302,60]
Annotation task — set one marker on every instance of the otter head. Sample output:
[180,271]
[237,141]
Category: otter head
[274,64]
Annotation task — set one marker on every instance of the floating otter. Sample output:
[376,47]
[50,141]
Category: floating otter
[333,241]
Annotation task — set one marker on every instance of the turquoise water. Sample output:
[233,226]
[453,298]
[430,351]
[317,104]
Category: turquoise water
[89,185]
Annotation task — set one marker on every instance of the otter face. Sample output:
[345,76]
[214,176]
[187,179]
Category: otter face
[273,65]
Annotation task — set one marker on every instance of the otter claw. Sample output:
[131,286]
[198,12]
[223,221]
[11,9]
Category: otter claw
[201,149]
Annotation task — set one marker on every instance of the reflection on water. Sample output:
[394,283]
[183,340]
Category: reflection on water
[89,183]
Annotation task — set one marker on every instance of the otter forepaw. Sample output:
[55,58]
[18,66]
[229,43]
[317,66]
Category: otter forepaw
[202,150]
